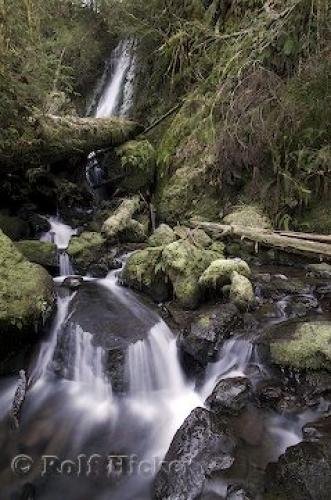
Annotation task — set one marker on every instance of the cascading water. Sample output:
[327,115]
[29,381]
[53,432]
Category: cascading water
[114,97]
[60,234]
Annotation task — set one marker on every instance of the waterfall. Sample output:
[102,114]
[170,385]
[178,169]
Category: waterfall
[116,99]
[87,363]
[116,89]
[60,234]
[47,348]
[153,364]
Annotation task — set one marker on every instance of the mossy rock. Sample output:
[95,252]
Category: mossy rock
[26,297]
[43,253]
[87,249]
[143,271]
[163,235]
[13,227]
[220,271]
[248,216]
[137,166]
[241,291]
[303,346]
[184,263]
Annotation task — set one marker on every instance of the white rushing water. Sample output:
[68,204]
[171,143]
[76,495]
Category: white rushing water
[117,95]
[60,234]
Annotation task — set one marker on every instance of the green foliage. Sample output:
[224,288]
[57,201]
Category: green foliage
[45,46]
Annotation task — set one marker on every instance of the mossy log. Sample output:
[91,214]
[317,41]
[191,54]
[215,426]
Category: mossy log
[62,137]
[291,244]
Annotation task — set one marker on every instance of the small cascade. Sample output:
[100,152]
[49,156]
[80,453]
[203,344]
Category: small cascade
[87,362]
[47,348]
[153,364]
[60,234]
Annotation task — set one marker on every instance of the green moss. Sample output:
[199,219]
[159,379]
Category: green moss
[137,159]
[121,220]
[183,263]
[86,248]
[248,216]
[163,235]
[241,291]
[39,252]
[26,290]
[220,271]
[317,218]
[306,346]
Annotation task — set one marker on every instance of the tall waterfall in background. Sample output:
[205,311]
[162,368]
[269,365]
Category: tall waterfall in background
[113,97]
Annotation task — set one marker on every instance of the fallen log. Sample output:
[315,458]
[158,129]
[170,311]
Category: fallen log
[63,137]
[322,238]
[19,397]
[271,239]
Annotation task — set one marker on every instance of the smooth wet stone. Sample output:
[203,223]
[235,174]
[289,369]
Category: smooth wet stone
[199,448]
[303,472]
[277,287]
[229,396]
[319,430]
[203,338]
[237,492]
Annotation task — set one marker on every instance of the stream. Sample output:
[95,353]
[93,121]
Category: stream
[83,435]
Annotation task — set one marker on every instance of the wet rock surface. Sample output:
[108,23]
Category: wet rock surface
[202,340]
[229,396]
[200,447]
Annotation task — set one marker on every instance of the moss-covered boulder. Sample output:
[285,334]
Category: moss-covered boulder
[26,297]
[241,291]
[220,271]
[248,216]
[88,250]
[13,227]
[143,271]
[184,263]
[163,235]
[121,225]
[43,253]
[136,167]
[302,346]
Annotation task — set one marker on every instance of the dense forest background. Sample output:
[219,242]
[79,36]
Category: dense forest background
[252,79]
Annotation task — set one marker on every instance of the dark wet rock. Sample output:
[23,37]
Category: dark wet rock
[90,254]
[115,368]
[73,282]
[204,337]
[200,447]
[229,396]
[278,287]
[13,227]
[322,270]
[18,401]
[237,492]
[319,430]
[303,472]
[269,393]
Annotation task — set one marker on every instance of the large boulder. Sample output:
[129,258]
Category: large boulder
[13,227]
[203,339]
[121,225]
[43,253]
[26,297]
[302,346]
[220,271]
[200,447]
[303,472]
